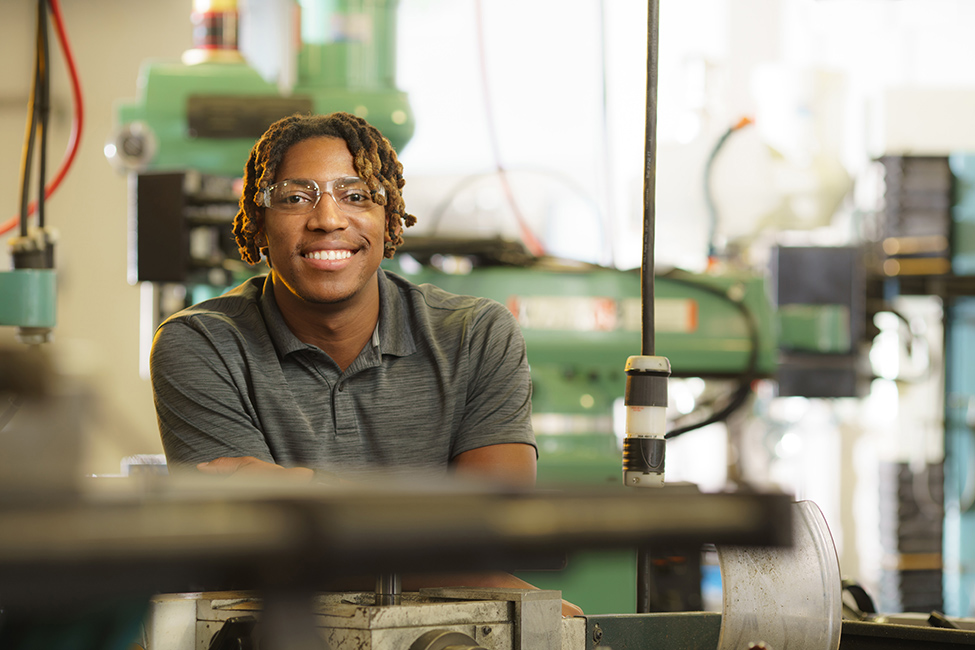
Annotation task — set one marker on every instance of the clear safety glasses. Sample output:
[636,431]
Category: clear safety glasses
[301,195]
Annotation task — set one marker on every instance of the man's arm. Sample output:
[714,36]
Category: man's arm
[511,464]
[199,400]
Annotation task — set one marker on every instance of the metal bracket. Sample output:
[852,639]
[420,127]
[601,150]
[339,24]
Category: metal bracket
[537,612]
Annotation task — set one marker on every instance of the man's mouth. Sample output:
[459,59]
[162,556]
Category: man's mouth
[328,255]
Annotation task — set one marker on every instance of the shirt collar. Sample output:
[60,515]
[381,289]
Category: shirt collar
[393,334]
[281,335]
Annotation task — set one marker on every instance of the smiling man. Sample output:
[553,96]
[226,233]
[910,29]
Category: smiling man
[328,364]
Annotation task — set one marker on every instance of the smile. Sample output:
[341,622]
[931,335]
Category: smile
[328,255]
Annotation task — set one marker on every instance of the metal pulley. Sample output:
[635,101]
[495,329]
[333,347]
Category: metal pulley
[445,640]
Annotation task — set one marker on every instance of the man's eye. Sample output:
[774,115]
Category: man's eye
[297,198]
[354,195]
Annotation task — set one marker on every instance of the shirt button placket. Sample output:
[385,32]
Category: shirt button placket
[345,417]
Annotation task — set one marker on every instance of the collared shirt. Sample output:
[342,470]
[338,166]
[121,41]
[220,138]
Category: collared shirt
[441,374]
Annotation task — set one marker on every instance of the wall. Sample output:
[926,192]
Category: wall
[98,311]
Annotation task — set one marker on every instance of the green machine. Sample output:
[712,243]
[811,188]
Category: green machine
[580,322]
[205,112]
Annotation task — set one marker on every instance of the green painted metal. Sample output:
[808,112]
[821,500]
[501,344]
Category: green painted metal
[161,108]
[28,298]
[591,319]
[350,69]
[348,44]
[821,329]
[670,631]
[579,328]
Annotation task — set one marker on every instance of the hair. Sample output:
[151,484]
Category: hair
[373,157]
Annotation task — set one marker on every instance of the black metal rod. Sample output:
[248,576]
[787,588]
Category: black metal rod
[650,178]
[644,573]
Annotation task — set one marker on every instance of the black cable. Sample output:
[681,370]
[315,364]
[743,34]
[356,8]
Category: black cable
[28,149]
[43,105]
[741,393]
[708,194]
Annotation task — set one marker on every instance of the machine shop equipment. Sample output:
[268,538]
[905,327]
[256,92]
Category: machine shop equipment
[62,551]
[120,542]
[28,291]
[205,112]
[580,322]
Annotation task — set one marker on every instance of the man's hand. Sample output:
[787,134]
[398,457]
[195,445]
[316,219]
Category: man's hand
[251,465]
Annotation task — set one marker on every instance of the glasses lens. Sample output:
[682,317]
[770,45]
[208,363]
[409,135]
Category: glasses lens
[294,196]
[352,194]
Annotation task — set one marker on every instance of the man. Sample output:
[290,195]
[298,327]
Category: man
[329,365]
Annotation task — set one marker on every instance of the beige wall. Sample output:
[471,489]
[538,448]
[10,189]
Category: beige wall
[98,311]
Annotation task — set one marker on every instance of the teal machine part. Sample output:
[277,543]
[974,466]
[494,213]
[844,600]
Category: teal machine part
[959,525]
[577,325]
[963,214]
[28,298]
[206,116]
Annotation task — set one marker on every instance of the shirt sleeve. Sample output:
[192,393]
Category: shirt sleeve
[200,398]
[498,408]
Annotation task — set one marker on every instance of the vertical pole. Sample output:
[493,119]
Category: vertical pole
[650,178]
[644,568]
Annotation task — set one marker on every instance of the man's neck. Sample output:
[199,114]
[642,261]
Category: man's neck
[341,329]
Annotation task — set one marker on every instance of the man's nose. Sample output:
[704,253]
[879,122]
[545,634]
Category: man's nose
[327,215]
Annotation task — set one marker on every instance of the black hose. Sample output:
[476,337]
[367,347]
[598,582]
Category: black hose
[741,393]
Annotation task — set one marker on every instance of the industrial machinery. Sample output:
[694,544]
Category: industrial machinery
[205,112]
[28,291]
[184,141]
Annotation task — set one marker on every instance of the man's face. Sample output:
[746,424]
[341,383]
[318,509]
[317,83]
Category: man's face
[327,255]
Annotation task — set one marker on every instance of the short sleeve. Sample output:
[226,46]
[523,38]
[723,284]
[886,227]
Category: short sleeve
[498,407]
[201,405]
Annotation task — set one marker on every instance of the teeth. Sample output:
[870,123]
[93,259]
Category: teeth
[329,255]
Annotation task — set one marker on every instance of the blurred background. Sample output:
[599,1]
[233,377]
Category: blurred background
[812,153]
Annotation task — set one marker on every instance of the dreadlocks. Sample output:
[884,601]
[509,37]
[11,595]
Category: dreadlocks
[373,157]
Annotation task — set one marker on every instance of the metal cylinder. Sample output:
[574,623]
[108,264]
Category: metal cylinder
[389,591]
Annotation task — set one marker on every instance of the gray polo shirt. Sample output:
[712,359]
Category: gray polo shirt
[443,374]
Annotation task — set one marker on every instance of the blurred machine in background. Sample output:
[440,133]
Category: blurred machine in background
[805,320]
[184,142]
[205,112]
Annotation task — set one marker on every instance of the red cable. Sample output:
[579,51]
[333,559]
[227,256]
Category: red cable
[76,123]
[534,246]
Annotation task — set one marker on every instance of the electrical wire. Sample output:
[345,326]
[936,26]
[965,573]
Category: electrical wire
[77,122]
[27,152]
[531,241]
[740,395]
[435,217]
[708,194]
[42,105]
